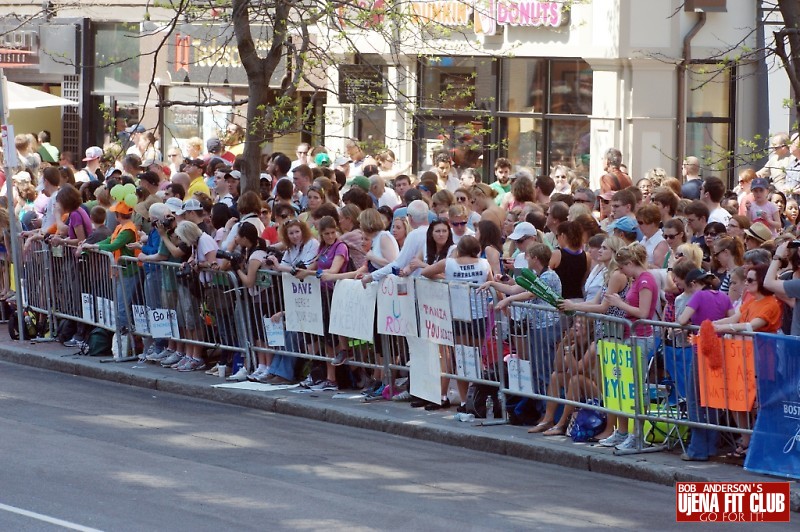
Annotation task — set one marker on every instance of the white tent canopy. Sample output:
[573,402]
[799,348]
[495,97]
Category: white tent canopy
[22,97]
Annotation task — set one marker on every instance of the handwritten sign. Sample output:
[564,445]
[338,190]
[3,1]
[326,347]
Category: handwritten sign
[163,323]
[106,313]
[460,301]
[468,361]
[303,304]
[618,367]
[433,304]
[273,330]
[520,375]
[425,370]
[397,310]
[353,309]
[731,386]
[87,307]
[140,319]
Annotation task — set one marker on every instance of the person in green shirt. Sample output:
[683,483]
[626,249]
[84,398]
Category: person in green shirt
[502,171]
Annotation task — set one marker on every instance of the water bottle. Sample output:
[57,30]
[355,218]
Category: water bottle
[464,417]
[489,408]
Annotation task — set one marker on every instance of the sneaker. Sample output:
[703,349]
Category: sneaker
[257,374]
[239,376]
[193,365]
[325,386]
[171,359]
[182,362]
[308,382]
[402,396]
[264,378]
[340,358]
[214,372]
[72,342]
[612,441]
[629,443]
[160,355]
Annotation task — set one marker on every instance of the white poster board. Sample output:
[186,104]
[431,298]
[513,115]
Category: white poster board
[425,373]
[353,309]
[459,301]
[468,361]
[140,319]
[433,304]
[520,375]
[163,323]
[273,330]
[87,307]
[303,304]
[397,309]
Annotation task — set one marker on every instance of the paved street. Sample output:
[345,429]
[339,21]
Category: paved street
[107,456]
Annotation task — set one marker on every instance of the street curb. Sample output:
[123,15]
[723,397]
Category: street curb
[529,449]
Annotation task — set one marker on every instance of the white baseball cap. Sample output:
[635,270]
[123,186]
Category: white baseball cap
[523,230]
[175,205]
[95,152]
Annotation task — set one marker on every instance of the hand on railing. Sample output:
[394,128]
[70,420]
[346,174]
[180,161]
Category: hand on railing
[134,245]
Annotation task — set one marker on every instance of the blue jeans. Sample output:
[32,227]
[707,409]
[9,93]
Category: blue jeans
[704,441]
[152,299]
[543,343]
[283,365]
[125,290]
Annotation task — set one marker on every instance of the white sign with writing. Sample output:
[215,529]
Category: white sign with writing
[163,323]
[273,330]
[353,309]
[397,309]
[9,149]
[459,301]
[105,312]
[433,305]
[303,304]
[468,361]
[140,319]
[425,370]
[87,307]
[520,375]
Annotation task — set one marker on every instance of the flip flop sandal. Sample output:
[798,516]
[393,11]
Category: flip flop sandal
[555,431]
[541,427]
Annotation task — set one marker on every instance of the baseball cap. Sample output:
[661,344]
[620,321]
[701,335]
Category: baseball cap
[341,161]
[158,211]
[213,145]
[150,177]
[121,207]
[200,163]
[175,205]
[360,182]
[759,182]
[697,275]
[322,159]
[113,170]
[236,174]
[607,195]
[626,224]
[138,128]
[190,205]
[95,152]
[22,177]
[523,230]
[759,231]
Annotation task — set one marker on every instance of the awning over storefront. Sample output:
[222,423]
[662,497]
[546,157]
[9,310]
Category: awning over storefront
[22,97]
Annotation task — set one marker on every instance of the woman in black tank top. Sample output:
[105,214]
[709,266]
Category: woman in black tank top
[569,261]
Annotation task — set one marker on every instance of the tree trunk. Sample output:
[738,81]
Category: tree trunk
[790,9]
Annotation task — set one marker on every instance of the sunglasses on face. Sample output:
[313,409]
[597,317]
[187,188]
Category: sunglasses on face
[458,224]
[750,280]
[582,201]
[670,236]
[712,235]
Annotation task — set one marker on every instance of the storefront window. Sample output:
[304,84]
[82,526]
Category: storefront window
[569,144]
[570,87]
[709,128]
[524,83]
[525,142]
[117,58]
[457,83]
[462,137]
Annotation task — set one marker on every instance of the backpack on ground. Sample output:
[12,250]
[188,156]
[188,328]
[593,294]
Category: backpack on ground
[100,342]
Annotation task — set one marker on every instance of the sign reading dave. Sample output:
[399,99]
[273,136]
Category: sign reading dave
[303,304]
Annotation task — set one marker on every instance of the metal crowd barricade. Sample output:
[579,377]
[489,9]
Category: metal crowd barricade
[689,391]
[566,362]
[36,279]
[205,308]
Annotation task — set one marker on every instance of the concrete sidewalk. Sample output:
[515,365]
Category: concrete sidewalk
[348,408]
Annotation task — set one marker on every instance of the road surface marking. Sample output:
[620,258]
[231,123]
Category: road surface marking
[46,519]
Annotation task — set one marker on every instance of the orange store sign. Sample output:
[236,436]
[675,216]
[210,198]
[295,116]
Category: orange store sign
[487,15]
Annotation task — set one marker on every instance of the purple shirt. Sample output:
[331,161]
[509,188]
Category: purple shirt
[77,218]
[325,260]
[709,305]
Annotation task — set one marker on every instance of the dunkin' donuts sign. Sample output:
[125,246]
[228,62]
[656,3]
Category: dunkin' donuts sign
[491,13]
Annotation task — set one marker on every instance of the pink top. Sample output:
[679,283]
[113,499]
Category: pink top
[645,281]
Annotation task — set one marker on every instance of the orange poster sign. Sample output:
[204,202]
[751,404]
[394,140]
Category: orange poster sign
[731,386]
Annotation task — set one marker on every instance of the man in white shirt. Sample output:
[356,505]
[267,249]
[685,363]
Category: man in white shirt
[413,246]
[92,160]
[775,169]
[302,152]
[385,196]
[792,183]
[711,193]
[448,176]
[222,188]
